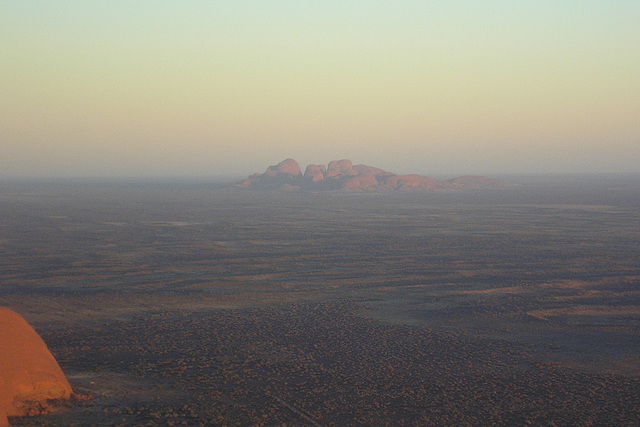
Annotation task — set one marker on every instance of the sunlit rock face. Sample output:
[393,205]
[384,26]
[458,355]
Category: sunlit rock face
[344,175]
[288,166]
[366,182]
[286,175]
[314,173]
[338,168]
[29,374]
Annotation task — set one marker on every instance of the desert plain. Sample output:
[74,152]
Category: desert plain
[196,303]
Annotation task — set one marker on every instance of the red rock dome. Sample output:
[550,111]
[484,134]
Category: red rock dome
[29,374]
[288,166]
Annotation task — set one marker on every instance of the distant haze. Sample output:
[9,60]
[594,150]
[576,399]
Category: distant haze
[173,89]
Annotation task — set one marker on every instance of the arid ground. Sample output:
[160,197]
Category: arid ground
[195,304]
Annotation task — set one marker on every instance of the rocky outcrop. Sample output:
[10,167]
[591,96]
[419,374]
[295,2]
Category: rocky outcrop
[365,182]
[338,168]
[285,175]
[315,173]
[286,167]
[344,175]
[29,374]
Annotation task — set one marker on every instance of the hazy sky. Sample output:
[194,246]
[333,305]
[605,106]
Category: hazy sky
[206,88]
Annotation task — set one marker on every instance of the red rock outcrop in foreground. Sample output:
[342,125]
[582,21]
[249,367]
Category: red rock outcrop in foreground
[29,375]
[344,175]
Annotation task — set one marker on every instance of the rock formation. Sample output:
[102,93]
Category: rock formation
[29,375]
[286,175]
[315,173]
[344,175]
[288,167]
[339,168]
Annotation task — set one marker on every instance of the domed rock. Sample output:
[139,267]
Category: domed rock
[288,166]
[344,175]
[338,168]
[361,183]
[369,170]
[314,173]
[29,374]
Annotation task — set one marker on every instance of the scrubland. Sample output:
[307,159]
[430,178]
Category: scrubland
[198,305]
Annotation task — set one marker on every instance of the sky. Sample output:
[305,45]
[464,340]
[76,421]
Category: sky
[227,88]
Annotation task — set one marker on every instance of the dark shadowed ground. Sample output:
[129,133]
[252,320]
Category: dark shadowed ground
[192,304]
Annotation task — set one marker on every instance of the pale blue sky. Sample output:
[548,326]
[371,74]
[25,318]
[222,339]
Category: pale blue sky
[163,88]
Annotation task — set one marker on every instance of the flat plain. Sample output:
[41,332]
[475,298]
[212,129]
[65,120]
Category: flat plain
[185,303]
